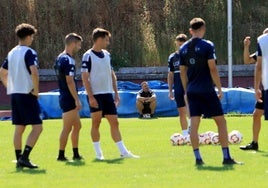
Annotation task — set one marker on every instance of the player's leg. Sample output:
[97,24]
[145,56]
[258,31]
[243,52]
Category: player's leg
[256,127]
[68,121]
[195,121]
[183,120]
[17,140]
[95,133]
[183,112]
[116,135]
[30,114]
[140,107]
[75,136]
[153,107]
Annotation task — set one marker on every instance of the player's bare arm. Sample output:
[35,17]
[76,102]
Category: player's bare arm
[35,79]
[170,84]
[3,76]
[257,79]
[116,95]
[92,101]
[247,58]
[215,76]
[71,86]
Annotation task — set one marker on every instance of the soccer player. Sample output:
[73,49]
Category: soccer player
[146,100]
[198,75]
[20,76]
[68,99]
[259,107]
[261,72]
[174,79]
[100,82]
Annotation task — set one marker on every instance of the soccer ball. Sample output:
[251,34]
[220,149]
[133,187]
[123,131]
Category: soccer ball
[235,137]
[215,139]
[187,140]
[204,138]
[177,139]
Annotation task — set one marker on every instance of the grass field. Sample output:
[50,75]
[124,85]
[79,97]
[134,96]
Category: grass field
[160,165]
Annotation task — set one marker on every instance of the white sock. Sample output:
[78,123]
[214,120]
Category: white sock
[97,148]
[122,148]
[185,132]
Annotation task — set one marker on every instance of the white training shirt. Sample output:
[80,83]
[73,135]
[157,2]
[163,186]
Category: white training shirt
[100,71]
[263,52]
[19,78]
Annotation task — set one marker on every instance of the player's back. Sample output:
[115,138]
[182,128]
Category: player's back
[195,55]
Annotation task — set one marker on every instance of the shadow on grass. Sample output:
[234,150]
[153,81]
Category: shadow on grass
[109,161]
[75,163]
[30,171]
[215,168]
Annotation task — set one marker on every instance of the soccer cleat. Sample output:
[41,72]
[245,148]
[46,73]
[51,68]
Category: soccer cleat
[62,158]
[77,158]
[231,162]
[129,155]
[199,162]
[100,157]
[25,163]
[251,146]
[140,116]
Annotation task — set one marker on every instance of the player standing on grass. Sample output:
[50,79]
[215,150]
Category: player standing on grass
[174,78]
[198,75]
[20,76]
[261,72]
[68,99]
[259,106]
[100,82]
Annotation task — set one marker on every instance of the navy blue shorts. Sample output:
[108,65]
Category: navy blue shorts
[25,109]
[67,102]
[179,97]
[207,104]
[265,98]
[260,105]
[106,104]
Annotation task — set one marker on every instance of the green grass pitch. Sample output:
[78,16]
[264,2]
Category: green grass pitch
[160,165]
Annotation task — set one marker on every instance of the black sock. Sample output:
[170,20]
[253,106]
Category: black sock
[26,152]
[61,153]
[18,153]
[75,152]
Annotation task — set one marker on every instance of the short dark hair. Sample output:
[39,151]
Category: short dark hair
[100,33]
[197,23]
[181,37]
[23,30]
[72,37]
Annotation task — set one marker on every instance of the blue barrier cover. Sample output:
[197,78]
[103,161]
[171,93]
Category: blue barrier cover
[238,100]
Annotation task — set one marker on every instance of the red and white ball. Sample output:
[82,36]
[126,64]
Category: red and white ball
[235,137]
[177,139]
[215,140]
[204,138]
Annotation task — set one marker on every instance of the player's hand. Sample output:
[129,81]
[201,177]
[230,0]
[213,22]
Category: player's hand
[116,100]
[171,96]
[258,95]
[93,102]
[35,93]
[220,94]
[78,104]
[247,41]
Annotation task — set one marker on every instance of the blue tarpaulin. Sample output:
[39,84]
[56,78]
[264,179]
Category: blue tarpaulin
[237,100]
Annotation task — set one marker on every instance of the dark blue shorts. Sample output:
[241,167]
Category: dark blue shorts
[260,105]
[179,97]
[106,104]
[25,109]
[67,102]
[207,104]
[265,98]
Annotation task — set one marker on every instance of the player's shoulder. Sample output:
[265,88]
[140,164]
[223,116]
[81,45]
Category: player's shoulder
[263,37]
[64,58]
[171,56]
[106,52]
[207,42]
[87,55]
